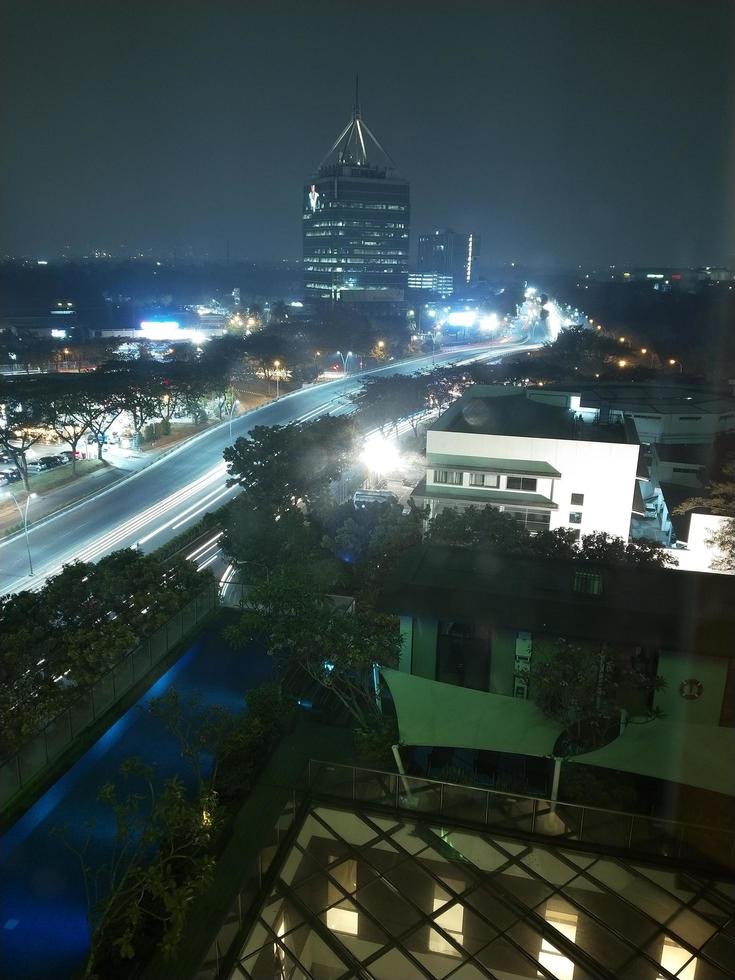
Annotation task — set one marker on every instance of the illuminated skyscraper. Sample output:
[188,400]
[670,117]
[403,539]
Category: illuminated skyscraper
[448,253]
[356,221]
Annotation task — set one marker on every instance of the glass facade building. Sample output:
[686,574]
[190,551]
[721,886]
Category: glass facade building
[356,223]
[400,878]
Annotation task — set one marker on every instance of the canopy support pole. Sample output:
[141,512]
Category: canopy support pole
[402,773]
[555,783]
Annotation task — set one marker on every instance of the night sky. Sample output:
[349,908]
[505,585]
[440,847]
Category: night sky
[562,132]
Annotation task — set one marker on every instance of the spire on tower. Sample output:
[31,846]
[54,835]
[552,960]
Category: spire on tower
[351,141]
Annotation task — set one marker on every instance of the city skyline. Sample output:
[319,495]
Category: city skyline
[593,136]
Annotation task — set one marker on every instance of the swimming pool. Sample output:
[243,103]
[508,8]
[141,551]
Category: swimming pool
[43,926]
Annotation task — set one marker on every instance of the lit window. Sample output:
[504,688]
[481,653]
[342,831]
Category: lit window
[550,957]
[673,958]
[344,919]
[451,921]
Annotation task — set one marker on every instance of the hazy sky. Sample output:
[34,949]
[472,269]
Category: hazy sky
[562,132]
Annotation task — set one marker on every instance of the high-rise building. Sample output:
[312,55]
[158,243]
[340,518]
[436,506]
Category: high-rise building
[448,253]
[356,221]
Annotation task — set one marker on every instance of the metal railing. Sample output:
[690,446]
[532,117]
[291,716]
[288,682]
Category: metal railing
[644,836]
[44,748]
[229,934]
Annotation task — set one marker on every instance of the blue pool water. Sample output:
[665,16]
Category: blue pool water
[43,927]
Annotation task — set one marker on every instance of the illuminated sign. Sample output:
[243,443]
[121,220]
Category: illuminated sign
[313,197]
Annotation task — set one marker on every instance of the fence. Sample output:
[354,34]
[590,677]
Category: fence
[494,810]
[230,931]
[42,749]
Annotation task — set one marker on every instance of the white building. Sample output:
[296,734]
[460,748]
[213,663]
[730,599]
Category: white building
[534,457]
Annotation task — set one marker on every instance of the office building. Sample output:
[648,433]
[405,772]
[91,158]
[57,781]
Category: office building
[356,214]
[432,282]
[447,253]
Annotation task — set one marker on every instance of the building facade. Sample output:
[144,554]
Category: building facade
[537,461]
[449,253]
[356,217]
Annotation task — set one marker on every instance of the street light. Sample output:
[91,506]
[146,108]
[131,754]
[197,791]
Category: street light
[673,361]
[276,365]
[317,355]
[345,359]
[24,518]
[236,402]
[622,363]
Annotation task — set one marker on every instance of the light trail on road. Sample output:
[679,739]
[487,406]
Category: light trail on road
[201,491]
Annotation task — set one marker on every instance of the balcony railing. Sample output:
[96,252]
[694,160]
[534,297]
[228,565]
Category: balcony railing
[644,836]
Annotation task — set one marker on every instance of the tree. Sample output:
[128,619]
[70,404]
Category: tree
[101,404]
[488,526]
[23,410]
[478,526]
[305,632]
[719,499]
[281,466]
[371,541]
[585,693]
[158,863]
[66,413]
[607,548]
[384,402]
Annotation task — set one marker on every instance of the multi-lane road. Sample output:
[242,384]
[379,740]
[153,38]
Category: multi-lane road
[159,502]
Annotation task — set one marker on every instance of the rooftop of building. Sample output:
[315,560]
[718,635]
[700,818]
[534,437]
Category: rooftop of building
[653,398]
[655,607]
[408,878]
[506,411]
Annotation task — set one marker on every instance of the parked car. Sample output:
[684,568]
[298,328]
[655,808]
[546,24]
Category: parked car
[12,474]
[43,464]
[64,457]
[363,498]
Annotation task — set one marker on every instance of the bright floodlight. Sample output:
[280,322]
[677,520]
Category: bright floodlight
[489,323]
[531,291]
[380,455]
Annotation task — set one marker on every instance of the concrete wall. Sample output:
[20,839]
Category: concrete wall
[604,472]
[502,661]
[711,672]
[423,659]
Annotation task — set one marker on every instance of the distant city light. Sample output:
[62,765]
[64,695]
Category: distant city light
[461,318]
[59,334]
[489,323]
[42,262]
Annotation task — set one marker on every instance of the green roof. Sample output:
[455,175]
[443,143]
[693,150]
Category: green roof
[481,464]
[679,752]
[510,498]
[437,714]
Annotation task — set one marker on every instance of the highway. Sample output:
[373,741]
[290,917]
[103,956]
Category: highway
[159,502]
